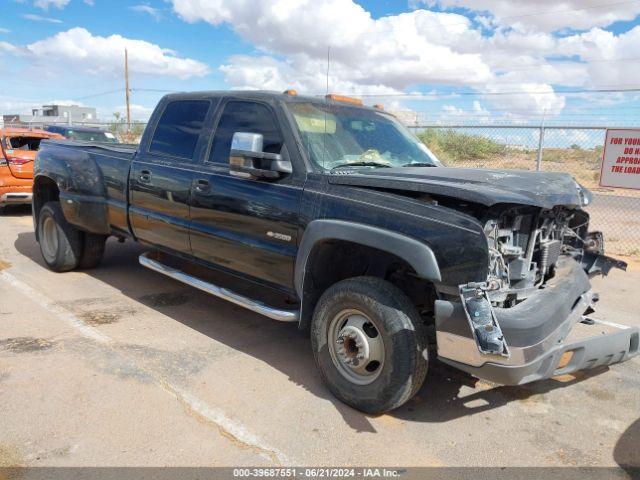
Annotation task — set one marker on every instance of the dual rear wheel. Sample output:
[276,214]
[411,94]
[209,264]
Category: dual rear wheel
[63,246]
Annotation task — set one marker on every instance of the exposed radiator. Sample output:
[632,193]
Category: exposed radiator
[549,253]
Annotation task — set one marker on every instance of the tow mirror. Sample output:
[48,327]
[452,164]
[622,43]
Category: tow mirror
[247,160]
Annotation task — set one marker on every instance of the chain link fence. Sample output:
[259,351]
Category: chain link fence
[574,150]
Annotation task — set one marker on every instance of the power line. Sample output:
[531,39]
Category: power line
[635,89]
[524,68]
[558,63]
[118,90]
[585,111]
[76,99]
[605,89]
[553,12]
[550,63]
[155,90]
[523,114]
[566,109]
[484,94]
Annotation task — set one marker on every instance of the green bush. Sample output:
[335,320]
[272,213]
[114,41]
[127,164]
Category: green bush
[453,146]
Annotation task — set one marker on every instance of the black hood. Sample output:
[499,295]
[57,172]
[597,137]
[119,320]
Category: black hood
[487,187]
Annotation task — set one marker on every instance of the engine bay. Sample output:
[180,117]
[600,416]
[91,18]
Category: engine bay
[525,245]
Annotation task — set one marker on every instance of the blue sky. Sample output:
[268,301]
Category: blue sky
[474,60]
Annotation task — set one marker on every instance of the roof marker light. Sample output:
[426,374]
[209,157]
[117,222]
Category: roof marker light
[342,98]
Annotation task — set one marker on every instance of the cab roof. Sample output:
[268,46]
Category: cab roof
[259,95]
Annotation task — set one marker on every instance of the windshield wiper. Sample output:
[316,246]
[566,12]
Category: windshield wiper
[361,164]
[419,164]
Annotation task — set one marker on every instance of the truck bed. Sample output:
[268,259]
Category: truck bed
[97,201]
[119,150]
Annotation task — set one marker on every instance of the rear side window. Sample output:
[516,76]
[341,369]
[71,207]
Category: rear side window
[23,143]
[179,127]
[247,117]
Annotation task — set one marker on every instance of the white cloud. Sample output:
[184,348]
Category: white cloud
[4,30]
[395,52]
[497,46]
[45,4]
[453,110]
[7,47]
[9,106]
[149,10]
[527,97]
[386,55]
[66,103]
[299,73]
[78,51]
[477,114]
[547,15]
[477,108]
[597,44]
[39,18]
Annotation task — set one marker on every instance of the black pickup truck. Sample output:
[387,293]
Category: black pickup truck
[331,214]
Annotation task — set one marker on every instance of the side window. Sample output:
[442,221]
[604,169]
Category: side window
[248,117]
[179,127]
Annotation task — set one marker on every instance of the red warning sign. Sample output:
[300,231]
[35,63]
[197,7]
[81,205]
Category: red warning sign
[621,159]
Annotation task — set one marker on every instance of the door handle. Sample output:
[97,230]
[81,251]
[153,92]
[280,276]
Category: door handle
[145,176]
[202,185]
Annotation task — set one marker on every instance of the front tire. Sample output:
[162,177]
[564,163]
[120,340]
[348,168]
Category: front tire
[369,344]
[60,242]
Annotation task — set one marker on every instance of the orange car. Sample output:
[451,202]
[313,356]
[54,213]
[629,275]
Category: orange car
[18,147]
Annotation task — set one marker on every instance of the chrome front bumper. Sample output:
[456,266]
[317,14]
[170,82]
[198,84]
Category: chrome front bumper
[15,198]
[543,333]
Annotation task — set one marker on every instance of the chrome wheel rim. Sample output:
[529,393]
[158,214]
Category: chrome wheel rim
[49,240]
[356,346]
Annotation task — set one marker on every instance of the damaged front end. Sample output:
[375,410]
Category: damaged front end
[518,325]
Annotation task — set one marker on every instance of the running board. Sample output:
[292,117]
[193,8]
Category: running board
[253,305]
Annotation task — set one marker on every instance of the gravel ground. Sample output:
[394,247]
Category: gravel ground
[122,366]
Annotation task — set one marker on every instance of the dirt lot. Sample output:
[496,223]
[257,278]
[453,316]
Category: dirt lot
[121,366]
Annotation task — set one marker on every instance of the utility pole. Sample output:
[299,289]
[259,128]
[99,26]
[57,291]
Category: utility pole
[126,86]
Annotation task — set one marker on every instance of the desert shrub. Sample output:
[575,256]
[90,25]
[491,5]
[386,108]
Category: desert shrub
[454,146]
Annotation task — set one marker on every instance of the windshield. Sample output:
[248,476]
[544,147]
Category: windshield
[97,136]
[341,136]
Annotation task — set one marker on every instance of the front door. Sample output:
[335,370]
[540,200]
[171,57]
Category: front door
[162,174]
[245,225]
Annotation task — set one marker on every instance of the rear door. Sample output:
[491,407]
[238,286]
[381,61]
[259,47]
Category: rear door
[162,173]
[246,225]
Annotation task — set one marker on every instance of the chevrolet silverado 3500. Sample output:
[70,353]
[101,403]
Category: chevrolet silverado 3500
[332,215]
